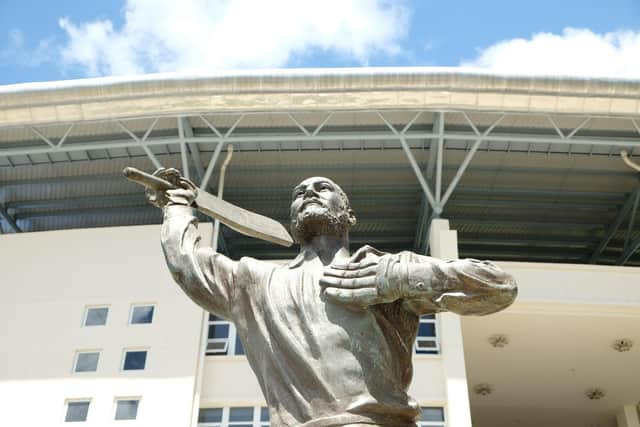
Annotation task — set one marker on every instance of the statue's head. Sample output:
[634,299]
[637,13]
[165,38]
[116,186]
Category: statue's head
[319,207]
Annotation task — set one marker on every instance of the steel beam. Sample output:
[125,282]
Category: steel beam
[139,142]
[628,252]
[465,162]
[613,227]
[183,150]
[204,184]
[438,129]
[422,219]
[64,137]
[439,160]
[42,137]
[632,219]
[414,164]
[244,141]
[9,220]
[322,124]
[193,149]
[297,123]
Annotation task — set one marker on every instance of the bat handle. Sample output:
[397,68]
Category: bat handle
[147,180]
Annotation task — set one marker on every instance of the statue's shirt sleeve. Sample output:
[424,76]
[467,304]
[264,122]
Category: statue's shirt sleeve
[464,286]
[207,277]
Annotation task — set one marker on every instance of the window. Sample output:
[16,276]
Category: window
[134,360]
[96,316]
[127,409]
[77,411]
[247,416]
[432,416]
[427,339]
[86,361]
[141,314]
[222,338]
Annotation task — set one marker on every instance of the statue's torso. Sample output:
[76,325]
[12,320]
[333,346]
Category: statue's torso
[320,363]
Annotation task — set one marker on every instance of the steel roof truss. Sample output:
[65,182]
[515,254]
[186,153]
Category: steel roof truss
[297,123]
[42,136]
[613,227]
[628,252]
[632,218]
[183,150]
[414,164]
[322,123]
[221,142]
[9,220]
[467,159]
[193,148]
[141,142]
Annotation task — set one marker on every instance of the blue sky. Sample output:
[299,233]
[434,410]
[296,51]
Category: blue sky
[56,40]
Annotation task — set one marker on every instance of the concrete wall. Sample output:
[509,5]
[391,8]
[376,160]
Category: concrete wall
[47,281]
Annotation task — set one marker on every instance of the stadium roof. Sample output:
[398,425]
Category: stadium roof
[525,168]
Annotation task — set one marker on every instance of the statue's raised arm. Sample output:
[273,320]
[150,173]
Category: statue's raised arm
[205,276]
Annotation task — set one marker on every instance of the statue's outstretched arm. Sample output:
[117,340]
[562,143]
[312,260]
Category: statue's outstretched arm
[204,275]
[426,285]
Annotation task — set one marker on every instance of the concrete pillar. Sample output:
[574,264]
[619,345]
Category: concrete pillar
[444,245]
[628,416]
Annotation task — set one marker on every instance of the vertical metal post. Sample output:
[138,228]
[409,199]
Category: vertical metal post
[440,153]
[223,170]
[183,150]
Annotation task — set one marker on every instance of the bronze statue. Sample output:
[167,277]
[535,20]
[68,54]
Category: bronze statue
[329,335]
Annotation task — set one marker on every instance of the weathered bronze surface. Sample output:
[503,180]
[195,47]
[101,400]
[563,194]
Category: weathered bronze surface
[330,335]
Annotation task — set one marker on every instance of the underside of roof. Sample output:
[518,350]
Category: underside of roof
[525,169]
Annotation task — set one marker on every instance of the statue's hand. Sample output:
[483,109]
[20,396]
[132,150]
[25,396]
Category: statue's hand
[184,194]
[369,282]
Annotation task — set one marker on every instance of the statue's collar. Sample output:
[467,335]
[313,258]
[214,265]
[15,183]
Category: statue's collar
[307,255]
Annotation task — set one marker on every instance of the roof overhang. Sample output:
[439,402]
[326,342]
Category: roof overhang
[313,89]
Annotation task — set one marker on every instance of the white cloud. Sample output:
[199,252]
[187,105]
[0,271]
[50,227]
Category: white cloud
[206,35]
[575,52]
[18,52]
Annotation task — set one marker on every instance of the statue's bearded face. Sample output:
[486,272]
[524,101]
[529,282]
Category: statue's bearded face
[319,208]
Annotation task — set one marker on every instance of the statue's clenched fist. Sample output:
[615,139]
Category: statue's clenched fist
[184,193]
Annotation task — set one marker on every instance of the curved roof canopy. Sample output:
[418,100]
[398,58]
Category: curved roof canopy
[525,168]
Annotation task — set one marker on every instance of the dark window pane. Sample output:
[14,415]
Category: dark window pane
[87,362]
[425,344]
[428,316]
[134,360]
[427,330]
[76,411]
[216,347]
[210,415]
[264,414]
[241,414]
[239,348]
[96,316]
[219,331]
[142,315]
[127,409]
[432,414]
